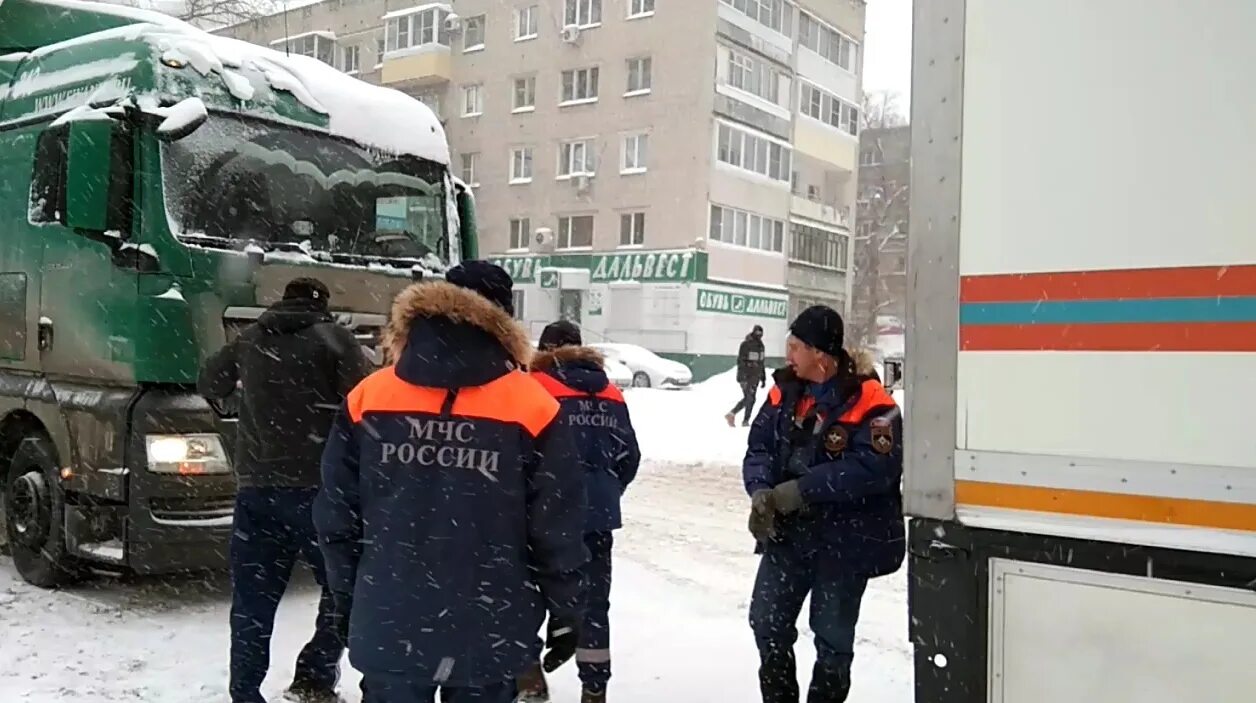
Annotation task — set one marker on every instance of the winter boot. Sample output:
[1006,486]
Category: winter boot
[731,419]
[593,696]
[532,685]
[305,692]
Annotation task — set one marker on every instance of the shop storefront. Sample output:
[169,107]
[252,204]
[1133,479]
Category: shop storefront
[661,300]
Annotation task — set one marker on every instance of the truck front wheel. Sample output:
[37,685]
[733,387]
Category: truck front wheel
[34,507]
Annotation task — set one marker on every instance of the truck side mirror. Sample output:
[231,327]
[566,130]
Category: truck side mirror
[466,217]
[89,150]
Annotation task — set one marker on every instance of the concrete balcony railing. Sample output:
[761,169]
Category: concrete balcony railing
[820,212]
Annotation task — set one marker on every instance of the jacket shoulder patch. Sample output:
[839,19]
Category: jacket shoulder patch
[882,435]
[835,439]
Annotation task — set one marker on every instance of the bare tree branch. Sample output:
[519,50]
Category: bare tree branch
[882,109]
[209,14]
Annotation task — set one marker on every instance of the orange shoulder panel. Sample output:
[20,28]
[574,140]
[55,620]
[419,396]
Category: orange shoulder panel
[611,392]
[513,397]
[872,395]
[555,387]
[774,396]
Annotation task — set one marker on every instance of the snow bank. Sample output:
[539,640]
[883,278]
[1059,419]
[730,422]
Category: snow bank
[372,115]
[687,427]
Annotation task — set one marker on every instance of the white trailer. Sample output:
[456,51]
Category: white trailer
[1081,441]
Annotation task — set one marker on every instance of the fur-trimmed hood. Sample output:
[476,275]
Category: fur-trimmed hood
[442,335]
[580,368]
[547,360]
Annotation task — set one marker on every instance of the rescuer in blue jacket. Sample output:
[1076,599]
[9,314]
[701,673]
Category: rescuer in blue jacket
[823,470]
[453,504]
[608,458]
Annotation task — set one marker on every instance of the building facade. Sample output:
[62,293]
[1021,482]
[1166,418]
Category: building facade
[880,297]
[665,173]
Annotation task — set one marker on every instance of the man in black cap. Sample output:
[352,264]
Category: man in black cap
[751,374]
[293,369]
[453,503]
[822,469]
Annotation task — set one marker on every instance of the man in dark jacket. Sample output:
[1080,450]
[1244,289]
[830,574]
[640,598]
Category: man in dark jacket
[822,468]
[293,369]
[453,502]
[751,374]
[608,457]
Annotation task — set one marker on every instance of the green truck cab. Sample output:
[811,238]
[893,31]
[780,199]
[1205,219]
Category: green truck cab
[158,188]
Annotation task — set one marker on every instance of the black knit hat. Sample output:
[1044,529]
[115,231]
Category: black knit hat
[307,289]
[487,279]
[821,327]
[560,334]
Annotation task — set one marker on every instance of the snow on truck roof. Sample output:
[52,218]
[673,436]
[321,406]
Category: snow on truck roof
[368,114]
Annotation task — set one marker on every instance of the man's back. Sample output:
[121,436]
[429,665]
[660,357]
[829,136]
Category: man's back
[294,368]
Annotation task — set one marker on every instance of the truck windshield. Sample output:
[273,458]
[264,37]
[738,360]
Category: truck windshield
[234,181]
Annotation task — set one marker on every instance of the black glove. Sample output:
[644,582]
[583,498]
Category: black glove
[763,514]
[560,643]
[787,497]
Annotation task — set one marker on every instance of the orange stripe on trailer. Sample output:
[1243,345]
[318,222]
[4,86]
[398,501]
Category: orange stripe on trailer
[1192,282]
[1112,337]
[1119,506]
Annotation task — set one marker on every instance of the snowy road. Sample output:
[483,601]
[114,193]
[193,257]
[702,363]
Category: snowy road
[683,572]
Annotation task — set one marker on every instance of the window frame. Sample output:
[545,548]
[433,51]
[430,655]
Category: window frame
[641,13]
[469,162]
[726,224]
[592,9]
[635,220]
[529,84]
[592,82]
[640,62]
[568,231]
[566,158]
[521,226]
[355,51]
[530,12]
[640,152]
[482,21]
[478,90]
[523,155]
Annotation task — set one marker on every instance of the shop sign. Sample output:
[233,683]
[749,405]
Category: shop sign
[550,279]
[644,266]
[522,269]
[742,304]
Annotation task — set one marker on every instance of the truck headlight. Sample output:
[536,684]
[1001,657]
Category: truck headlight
[186,454]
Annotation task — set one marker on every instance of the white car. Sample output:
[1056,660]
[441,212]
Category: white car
[616,372]
[649,370]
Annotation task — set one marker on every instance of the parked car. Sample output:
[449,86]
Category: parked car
[649,370]
[618,374]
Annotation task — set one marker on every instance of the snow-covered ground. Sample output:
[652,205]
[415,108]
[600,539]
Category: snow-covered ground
[683,571]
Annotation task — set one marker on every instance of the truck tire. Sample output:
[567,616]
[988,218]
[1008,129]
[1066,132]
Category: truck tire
[34,508]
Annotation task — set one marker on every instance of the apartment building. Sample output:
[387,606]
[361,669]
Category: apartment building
[664,172]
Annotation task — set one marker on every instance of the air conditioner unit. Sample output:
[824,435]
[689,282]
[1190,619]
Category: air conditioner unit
[543,241]
[453,23]
[571,33]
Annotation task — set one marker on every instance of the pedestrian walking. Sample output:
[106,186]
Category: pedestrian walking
[751,375]
[608,458]
[823,470]
[293,369]
[453,503]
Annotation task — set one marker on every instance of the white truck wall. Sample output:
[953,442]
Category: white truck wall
[1096,136]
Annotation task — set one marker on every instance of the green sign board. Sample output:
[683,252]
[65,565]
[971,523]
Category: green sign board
[549,279]
[684,265]
[710,300]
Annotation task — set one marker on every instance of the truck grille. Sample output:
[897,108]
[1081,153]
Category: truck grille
[192,510]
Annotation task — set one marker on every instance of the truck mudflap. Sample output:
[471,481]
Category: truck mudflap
[969,641]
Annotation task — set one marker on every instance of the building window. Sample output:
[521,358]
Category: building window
[416,28]
[737,147]
[828,108]
[472,100]
[349,59]
[634,153]
[583,13]
[755,76]
[640,78]
[777,15]
[746,229]
[836,48]
[632,229]
[818,247]
[640,8]
[520,232]
[521,164]
[868,157]
[379,52]
[575,158]
[312,44]
[525,22]
[469,162]
[575,232]
[525,94]
[580,85]
[473,33]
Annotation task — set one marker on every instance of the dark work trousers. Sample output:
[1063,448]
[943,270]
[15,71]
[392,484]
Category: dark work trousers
[273,526]
[593,657]
[748,390]
[389,689]
[785,578]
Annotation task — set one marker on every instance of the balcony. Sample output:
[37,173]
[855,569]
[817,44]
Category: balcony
[819,212]
[416,51]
